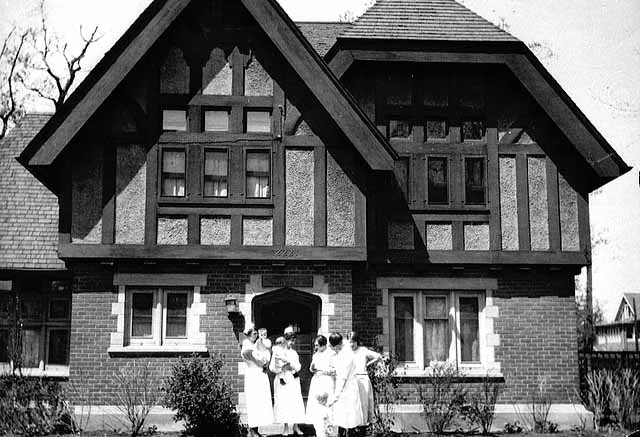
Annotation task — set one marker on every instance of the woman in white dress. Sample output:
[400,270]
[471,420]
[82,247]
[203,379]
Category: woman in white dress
[363,358]
[322,381]
[347,409]
[288,404]
[256,384]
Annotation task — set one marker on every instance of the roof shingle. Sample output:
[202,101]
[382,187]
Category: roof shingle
[427,20]
[28,210]
[322,35]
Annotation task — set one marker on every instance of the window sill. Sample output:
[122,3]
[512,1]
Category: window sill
[465,372]
[57,372]
[158,350]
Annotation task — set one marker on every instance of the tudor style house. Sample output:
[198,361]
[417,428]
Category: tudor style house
[622,333]
[416,176]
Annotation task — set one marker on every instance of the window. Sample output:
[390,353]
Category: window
[216,173]
[400,130]
[216,121]
[173,173]
[258,121]
[174,120]
[474,181]
[472,130]
[436,130]
[258,174]
[46,327]
[437,180]
[436,326]
[158,316]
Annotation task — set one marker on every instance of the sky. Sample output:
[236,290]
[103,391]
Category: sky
[595,46]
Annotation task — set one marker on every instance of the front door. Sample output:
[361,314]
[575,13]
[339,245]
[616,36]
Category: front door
[277,310]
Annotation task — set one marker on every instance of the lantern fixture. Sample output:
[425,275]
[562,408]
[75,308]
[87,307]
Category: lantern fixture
[231,303]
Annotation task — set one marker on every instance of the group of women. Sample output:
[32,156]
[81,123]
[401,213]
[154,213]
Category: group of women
[340,397]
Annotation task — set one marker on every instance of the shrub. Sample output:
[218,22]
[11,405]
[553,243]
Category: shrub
[201,397]
[136,394]
[482,404]
[32,406]
[443,397]
[513,428]
[613,396]
[540,406]
[386,395]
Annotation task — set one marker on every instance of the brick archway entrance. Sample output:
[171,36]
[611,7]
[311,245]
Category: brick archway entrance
[278,309]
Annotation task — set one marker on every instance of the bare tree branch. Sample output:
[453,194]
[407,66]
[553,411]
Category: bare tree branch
[11,56]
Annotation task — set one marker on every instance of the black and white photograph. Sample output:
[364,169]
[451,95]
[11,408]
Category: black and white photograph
[336,218]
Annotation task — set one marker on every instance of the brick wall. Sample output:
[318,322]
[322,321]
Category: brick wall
[91,366]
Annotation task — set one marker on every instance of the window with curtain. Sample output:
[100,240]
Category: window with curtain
[173,173]
[436,130]
[400,130]
[450,322]
[403,328]
[258,121]
[258,174]
[474,181]
[473,130]
[437,180]
[216,121]
[216,173]
[174,120]
[158,316]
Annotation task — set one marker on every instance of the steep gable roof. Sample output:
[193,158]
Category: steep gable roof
[628,298]
[146,30]
[28,211]
[424,20]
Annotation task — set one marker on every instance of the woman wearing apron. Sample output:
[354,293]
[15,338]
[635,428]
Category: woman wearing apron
[347,408]
[363,358]
[256,384]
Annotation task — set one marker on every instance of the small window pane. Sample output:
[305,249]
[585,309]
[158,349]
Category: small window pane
[59,309]
[216,121]
[438,181]
[403,329]
[258,121]
[4,345]
[436,307]
[173,173]
[472,130]
[176,315]
[400,130]
[436,340]
[141,314]
[30,347]
[436,130]
[469,327]
[31,308]
[216,170]
[474,181]
[174,120]
[58,347]
[258,174]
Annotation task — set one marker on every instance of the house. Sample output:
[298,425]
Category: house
[418,177]
[620,335]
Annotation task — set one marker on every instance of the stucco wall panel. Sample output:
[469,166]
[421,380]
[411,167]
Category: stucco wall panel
[341,209]
[568,215]
[439,236]
[86,196]
[217,75]
[131,188]
[476,236]
[508,204]
[257,232]
[215,231]
[257,81]
[174,73]
[299,201]
[172,230]
[400,235]
[538,208]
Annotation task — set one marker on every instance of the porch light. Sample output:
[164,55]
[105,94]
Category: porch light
[231,303]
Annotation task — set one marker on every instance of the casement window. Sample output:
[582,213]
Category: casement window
[258,174]
[158,316]
[400,130]
[173,175]
[474,181]
[216,173]
[437,180]
[436,325]
[174,120]
[216,120]
[258,121]
[45,320]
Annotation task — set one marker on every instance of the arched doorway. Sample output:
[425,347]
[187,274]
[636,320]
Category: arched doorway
[278,309]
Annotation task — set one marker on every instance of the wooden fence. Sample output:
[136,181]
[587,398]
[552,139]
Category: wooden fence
[595,360]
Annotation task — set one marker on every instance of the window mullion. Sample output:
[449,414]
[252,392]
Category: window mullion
[158,316]
[419,330]
[454,320]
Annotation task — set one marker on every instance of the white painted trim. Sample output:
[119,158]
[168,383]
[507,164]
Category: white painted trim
[171,348]
[412,283]
[502,409]
[56,371]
